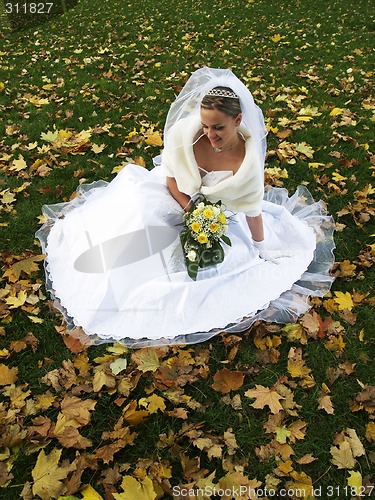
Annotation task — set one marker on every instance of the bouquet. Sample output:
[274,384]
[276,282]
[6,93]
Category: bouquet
[205,225]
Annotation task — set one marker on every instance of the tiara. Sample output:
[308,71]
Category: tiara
[222,93]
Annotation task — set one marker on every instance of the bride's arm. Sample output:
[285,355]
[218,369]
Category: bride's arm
[256,227]
[182,198]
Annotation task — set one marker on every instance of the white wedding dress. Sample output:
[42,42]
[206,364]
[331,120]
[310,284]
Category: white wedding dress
[115,267]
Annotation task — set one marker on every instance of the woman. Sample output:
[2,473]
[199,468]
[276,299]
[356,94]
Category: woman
[219,151]
[124,277]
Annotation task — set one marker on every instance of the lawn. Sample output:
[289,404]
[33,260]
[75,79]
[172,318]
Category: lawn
[286,411]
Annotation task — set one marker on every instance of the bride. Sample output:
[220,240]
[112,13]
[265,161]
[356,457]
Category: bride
[115,265]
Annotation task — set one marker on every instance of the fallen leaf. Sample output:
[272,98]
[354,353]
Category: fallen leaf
[226,380]
[344,301]
[48,474]
[325,403]
[147,360]
[7,375]
[355,481]
[118,366]
[136,490]
[153,403]
[26,266]
[265,396]
[370,432]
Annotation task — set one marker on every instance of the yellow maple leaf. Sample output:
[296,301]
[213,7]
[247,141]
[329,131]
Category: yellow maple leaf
[355,480]
[18,165]
[35,319]
[45,401]
[344,301]
[38,101]
[153,138]
[147,360]
[305,149]
[136,490]
[17,300]
[88,493]
[96,148]
[27,266]
[316,165]
[338,177]
[336,111]
[7,375]
[153,403]
[48,474]
[276,38]
[282,434]
[49,136]
[265,396]
[7,197]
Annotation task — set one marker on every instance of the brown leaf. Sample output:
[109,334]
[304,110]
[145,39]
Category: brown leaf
[342,456]
[77,409]
[306,459]
[71,438]
[74,345]
[178,413]
[226,380]
[325,403]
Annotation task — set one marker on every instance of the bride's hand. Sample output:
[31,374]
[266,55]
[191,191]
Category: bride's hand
[270,255]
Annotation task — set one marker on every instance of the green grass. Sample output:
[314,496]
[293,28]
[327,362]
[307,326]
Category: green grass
[123,63]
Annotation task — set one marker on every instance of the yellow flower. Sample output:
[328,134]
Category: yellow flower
[208,213]
[2,86]
[214,227]
[202,238]
[222,218]
[195,227]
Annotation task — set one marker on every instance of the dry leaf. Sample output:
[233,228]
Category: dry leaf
[48,474]
[343,456]
[7,375]
[264,396]
[344,301]
[325,403]
[226,380]
[26,266]
[136,490]
[146,359]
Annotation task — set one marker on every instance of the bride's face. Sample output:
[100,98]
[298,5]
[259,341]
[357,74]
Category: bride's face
[220,128]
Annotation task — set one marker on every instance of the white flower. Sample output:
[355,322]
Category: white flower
[216,210]
[192,255]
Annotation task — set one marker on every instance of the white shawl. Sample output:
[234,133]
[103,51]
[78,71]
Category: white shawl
[242,192]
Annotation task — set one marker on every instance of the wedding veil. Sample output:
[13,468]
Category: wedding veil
[200,82]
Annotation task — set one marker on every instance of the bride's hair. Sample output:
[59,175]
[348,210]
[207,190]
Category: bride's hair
[228,105]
